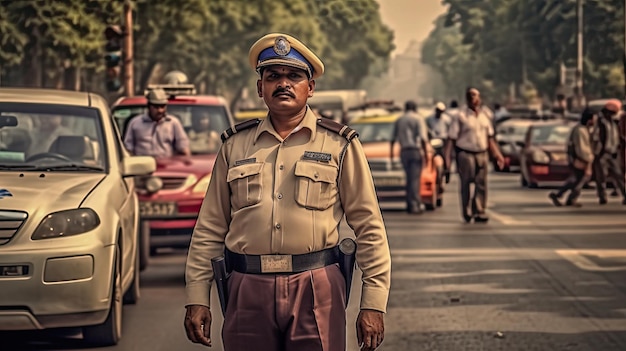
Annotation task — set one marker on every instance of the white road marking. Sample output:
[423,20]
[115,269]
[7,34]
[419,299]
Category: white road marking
[507,220]
[579,258]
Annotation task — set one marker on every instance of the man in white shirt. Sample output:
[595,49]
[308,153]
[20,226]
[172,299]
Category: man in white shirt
[471,134]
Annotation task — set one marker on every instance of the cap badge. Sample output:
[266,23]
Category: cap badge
[281,46]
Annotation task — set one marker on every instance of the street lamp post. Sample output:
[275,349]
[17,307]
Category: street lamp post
[579,58]
[129,86]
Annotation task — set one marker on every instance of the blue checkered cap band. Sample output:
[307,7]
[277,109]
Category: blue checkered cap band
[293,57]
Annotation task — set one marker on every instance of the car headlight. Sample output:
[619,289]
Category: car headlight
[154,184]
[540,157]
[202,185]
[66,223]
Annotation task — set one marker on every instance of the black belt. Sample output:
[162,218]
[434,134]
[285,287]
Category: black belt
[458,149]
[275,264]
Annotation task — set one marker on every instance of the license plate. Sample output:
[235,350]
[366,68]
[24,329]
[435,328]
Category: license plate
[388,181]
[157,209]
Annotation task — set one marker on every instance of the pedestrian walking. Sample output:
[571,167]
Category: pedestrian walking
[279,189]
[471,135]
[411,133]
[606,164]
[580,159]
[156,133]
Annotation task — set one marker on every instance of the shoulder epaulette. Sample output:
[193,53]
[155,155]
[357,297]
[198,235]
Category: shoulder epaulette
[239,127]
[338,128]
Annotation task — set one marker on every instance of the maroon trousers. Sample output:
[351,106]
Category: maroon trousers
[280,312]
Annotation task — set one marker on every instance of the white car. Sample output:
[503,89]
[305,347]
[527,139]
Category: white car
[69,214]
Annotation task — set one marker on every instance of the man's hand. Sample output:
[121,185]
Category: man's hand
[198,324]
[370,329]
[500,161]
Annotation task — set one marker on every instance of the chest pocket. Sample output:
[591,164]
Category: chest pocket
[245,183]
[316,186]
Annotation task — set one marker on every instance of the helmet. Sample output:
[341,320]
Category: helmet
[175,77]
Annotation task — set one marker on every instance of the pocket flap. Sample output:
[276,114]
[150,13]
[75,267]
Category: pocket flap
[316,171]
[244,171]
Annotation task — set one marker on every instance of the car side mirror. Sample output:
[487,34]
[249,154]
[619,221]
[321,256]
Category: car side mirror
[138,166]
[8,121]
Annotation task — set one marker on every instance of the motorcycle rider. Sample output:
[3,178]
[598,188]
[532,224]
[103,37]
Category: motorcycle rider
[438,125]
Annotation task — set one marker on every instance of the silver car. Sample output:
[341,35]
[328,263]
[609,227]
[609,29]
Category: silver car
[68,214]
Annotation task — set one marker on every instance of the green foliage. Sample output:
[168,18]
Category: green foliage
[503,42]
[208,40]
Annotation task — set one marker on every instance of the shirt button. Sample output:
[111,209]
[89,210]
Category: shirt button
[281,167]
[316,175]
[277,226]
[279,196]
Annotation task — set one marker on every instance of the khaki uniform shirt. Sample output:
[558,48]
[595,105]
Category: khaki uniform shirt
[470,130]
[267,197]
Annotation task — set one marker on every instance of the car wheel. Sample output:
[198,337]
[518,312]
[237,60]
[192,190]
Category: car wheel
[144,245]
[439,202]
[131,296]
[109,332]
[533,185]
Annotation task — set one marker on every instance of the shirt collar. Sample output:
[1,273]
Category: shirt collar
[309,122]
[146,118]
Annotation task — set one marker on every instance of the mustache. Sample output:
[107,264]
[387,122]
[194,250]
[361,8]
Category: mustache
[283,91]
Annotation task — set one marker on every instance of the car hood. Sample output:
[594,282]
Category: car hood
[30,191]
[196,164]
[379,149]
[550,148]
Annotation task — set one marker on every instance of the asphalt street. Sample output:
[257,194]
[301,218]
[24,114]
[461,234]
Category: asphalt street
[536,277]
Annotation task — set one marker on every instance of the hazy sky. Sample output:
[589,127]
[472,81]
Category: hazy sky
[410,19]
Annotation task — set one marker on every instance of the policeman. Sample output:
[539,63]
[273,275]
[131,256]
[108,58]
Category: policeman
[156,133]
[606,163]
[472,136]
[279,189]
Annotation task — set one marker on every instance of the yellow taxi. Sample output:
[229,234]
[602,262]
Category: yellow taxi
[244,115]
[375,129]
[69,214]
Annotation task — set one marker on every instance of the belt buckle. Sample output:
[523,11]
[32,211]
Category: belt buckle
[276,264]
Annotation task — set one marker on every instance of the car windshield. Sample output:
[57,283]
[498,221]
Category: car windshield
[51,137]
[550,134]
[203,123]
[512,129]
[374,132]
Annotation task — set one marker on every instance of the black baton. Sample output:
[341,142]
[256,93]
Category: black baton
[347,259]
[221,280]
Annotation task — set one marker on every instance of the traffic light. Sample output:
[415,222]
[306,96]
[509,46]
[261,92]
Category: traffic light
[113,57]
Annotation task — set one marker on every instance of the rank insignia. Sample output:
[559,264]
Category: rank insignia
[317,156]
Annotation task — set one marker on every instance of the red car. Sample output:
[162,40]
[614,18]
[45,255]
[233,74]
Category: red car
[171,197]
[544,156]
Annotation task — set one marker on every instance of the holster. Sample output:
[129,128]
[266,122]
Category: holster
[347,260]
[221,275]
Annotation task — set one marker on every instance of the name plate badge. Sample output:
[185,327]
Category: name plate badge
[276,264]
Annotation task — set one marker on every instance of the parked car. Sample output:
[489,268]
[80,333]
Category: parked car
[544,156]
[510,136]
[375,133]
[170,199]
[69,214]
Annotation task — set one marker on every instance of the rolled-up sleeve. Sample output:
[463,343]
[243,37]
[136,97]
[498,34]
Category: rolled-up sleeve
[181,138]
[208,235]
[363,215]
